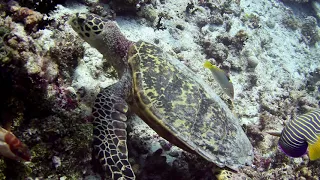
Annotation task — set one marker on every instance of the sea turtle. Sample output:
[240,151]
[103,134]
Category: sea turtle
[163,92]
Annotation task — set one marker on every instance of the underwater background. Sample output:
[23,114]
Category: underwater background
[49,78]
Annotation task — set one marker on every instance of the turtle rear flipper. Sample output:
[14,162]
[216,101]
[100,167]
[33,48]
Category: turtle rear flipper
[110,136]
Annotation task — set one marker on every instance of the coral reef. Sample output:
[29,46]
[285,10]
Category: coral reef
[252,20]
[32,89]
[224,44]
[218,51]
[313,81]
[67,54]
[40,5]
[30,18]
[155,158]
[122,7]
[291,22]
[219,12]
[310,31]
[296,1]
[61,136]
[101,10]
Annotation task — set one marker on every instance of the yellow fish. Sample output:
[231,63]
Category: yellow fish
[222,78]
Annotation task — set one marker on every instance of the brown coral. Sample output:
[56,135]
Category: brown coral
[29,17]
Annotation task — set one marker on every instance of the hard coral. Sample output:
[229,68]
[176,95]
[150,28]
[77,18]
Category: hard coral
[313,79]
[63,136]
[239,39]
[291,22]
[66,54]
[220,48]
[127,6]
[254,134]
[43,6]
[252,20]
[215,50]
[29,17]
[103,11]
[64,97]
[310,31]
[23,53]
[4,52]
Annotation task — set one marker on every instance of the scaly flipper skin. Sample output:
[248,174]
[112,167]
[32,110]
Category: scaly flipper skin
[110,136]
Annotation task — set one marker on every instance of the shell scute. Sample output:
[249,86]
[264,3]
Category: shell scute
[182,110]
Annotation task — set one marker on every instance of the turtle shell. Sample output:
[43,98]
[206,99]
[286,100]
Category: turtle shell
[183,109]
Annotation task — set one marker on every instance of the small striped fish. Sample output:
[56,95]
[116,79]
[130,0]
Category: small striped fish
[301,133]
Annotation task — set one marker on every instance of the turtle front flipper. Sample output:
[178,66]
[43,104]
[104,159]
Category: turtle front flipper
[110,136]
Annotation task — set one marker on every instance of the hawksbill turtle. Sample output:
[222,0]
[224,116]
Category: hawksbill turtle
[164,93]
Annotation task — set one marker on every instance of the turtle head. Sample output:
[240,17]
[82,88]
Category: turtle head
[104,35]
[89,27]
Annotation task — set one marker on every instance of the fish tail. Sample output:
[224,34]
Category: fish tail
[314,150]
[221,77]
[207,64]
[213,68]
